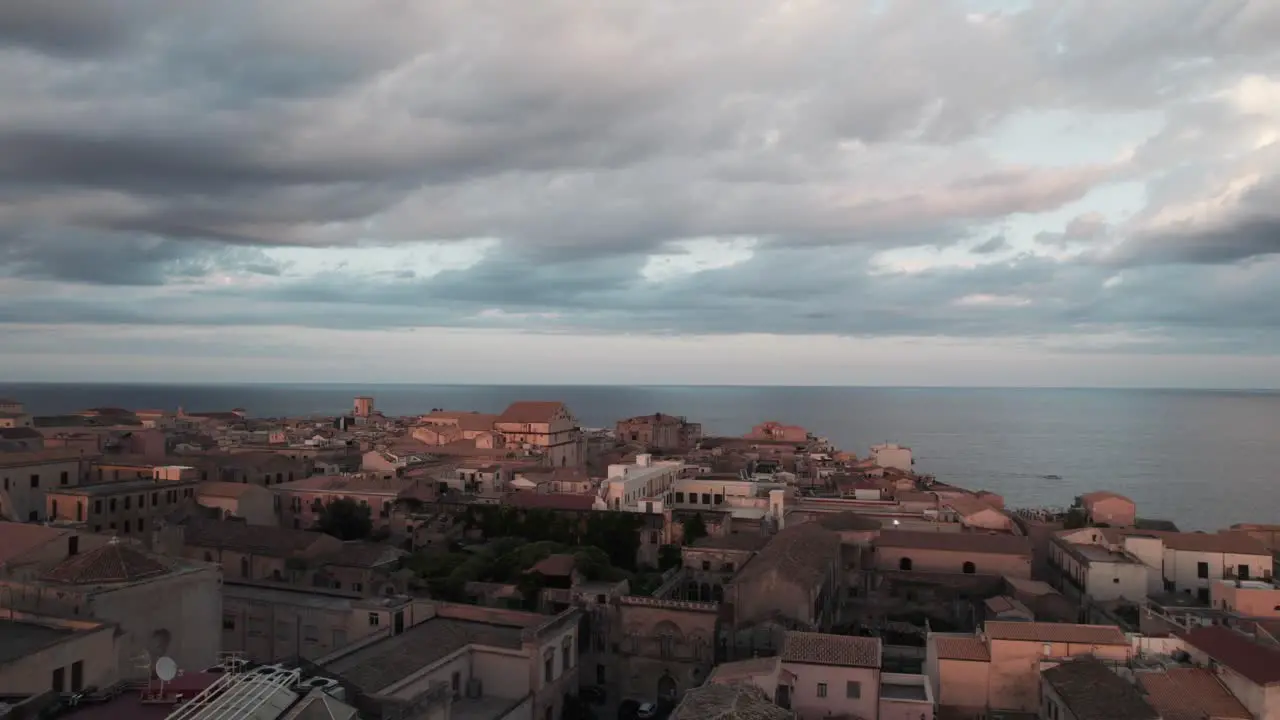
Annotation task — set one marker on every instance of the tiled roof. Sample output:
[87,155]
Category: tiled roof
[728,702]
[255,539]
[39,457]
[219,489]
[1093,497]
[112,563]
[961,648]
[530,411]
[1091,691]
[743,669]
[971,542]
[803,553]
[1258,663]
[18,539]
[1191,694]
[966,506]
[1236,542]
[1034,588]
[1055,633]
[823,649]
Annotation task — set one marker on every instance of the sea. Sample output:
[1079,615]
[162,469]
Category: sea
[1203,459]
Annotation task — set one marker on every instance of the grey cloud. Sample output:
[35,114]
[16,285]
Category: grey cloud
[995,244]
[1081,229]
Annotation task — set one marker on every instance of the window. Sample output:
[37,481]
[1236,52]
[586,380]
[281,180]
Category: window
[244,567]
[59,677]
[142,501]
[904,564]
[822,690]
[373,619]
[155,499]
[113,526]
[455,682]
[679,497]
[566,656]
[64,478]
[142,524]
[1202,594]
[79,512]
[228,622]
[111,504]
[706,498]
[600,677]
[719,499]
[358,587]
[969,568]
[126,526]
[853,689]
[35,481]
[1202,569]
[126,502]
[706,564]
[549,665]
[77,676]
[1242,572]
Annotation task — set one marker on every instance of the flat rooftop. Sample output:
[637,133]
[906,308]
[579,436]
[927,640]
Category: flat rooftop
[19,639]
[386,662]
[114,488]
[1097,553]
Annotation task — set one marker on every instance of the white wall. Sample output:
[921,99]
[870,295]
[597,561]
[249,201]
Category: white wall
[1112,581]
[1182,567]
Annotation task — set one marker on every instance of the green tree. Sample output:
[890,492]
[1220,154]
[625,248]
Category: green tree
[695,528]
[1075,519]
[669,556]
[346,519]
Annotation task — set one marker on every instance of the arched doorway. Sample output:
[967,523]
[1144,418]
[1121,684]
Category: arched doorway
[667,689]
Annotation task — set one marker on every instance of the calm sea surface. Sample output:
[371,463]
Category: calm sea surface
[1203,459]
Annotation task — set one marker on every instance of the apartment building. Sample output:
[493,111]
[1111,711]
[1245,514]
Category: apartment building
[643,486]
[1097,572]
[126,508]
[470,662]
[252,503]
[26,478]
[1183,563]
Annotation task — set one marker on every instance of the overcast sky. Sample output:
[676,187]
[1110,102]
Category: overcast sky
[917,192]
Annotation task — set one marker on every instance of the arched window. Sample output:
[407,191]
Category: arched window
[904,564]
[970,568]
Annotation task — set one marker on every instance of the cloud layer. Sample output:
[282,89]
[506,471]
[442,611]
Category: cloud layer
[869,168]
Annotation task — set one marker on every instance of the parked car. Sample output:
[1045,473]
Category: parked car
[593,694]
[647,711]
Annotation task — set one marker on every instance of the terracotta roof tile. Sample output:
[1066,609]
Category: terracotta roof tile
[1055,632]
[961,648]
[530,411]
[803,553]
[1258,663]
[18,539]
[737,701]
[1191,694]
[111,563]
[1093,692]
[824,649]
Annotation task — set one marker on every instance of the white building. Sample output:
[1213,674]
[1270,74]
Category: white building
[1098,572]
[892,455]
[1184,563]
[643,486]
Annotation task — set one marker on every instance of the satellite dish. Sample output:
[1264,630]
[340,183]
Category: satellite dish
[166,668]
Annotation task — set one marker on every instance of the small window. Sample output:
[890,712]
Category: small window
[358,587]
[969,568]
[35,481]
[59,678]
[373,619]
[679,497]
[706,498]
[111,504]
[126,526]
[64,478]
[126,501]
[1202,570]
[822,690]
[853,690]
[904,564]
[228,622]
[706,564]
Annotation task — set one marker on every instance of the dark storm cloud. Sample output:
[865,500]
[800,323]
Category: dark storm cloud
[147,149]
